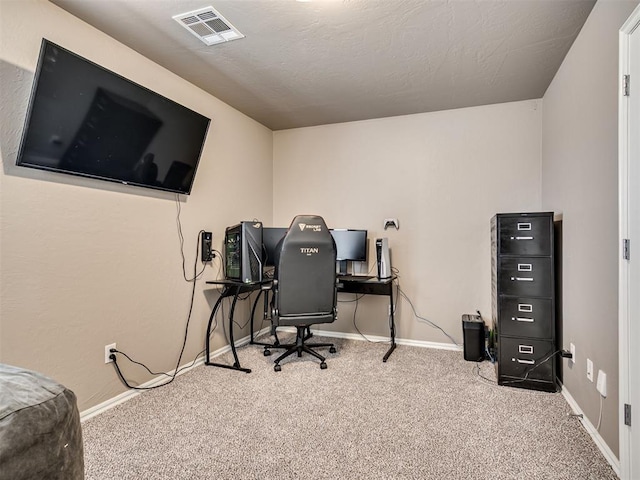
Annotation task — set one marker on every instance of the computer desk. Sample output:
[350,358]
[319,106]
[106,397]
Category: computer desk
[348,284]
[372,286]
[230,288]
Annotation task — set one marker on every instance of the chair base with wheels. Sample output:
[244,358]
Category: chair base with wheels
[300,346]
[277,344]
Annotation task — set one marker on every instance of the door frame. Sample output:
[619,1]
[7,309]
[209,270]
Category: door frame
[625,184]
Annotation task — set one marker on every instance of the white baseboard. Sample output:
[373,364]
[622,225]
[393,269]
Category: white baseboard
[129,394]
[377,338]
[591,430]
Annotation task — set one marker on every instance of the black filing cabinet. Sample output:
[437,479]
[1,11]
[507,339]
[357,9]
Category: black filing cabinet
[523,299]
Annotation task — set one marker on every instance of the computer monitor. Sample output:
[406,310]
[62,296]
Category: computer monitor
[351,246]
[271,236]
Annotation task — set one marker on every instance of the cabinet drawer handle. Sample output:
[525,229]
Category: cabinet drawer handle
[525,349]
[528,362]
[523,319]
[522,279]
[525,307]
[521,238]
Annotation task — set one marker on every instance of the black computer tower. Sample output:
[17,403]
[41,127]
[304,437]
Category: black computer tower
[243,252]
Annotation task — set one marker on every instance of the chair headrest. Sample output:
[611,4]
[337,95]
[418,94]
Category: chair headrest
[308,235]
[307,225]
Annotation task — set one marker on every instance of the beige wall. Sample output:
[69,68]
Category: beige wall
[87,263]
[580,176]
[443,175]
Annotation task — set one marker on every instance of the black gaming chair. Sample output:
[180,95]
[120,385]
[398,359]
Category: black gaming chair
[305,283]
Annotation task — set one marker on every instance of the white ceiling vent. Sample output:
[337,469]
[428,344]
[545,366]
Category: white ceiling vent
[208,25]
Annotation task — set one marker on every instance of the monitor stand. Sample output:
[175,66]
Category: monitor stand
[343,267]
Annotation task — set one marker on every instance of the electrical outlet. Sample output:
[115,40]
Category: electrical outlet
[590,370]
[572,349]
[107,352]
[601,383]
[206,239]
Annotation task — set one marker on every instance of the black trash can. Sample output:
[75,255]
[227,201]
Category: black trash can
[473,337]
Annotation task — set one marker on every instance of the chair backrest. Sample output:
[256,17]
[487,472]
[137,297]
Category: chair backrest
[306,272]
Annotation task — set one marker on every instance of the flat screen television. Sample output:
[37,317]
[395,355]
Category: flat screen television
[86,120]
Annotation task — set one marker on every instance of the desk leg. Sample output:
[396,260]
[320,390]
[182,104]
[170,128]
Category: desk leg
[253,312]
[392,326]
[207,338]
[264,316]
[236,364]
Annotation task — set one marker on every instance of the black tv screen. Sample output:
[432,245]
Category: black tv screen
[86,120]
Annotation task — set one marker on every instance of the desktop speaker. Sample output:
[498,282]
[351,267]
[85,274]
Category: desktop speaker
[473,337]
[383,257]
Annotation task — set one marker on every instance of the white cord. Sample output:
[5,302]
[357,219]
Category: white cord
[599,415]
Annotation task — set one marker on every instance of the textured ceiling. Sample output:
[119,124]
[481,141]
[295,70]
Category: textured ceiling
[329,61]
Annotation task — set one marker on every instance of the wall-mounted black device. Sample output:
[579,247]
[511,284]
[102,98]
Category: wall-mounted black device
[206,249]
[243,252]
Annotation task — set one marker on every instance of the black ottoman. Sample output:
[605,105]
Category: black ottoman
[40,433]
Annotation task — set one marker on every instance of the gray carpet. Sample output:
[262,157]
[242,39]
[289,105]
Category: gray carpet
[425,414]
